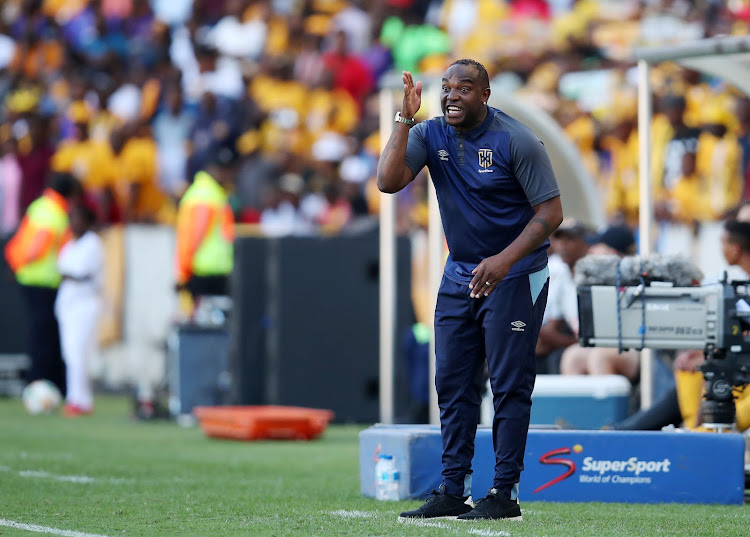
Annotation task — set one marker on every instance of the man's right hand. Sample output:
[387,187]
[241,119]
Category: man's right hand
[393,173]
[689,360]
[412,96]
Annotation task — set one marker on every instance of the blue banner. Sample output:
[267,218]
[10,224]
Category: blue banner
[577,466]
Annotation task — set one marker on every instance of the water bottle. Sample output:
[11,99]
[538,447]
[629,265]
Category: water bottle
[386,479]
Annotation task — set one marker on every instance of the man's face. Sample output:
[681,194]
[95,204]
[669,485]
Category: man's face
[570,248]
[81,131]
[78,222]
[222,173]
[463,97]
[730,250]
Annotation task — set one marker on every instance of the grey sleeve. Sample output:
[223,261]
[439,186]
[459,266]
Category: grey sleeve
[532,166]
[416,148]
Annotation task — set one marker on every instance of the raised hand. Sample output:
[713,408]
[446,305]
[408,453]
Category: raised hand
[412,96]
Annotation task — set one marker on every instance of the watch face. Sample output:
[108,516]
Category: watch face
[402,119]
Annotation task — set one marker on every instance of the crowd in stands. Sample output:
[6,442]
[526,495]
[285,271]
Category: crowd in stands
[134,96]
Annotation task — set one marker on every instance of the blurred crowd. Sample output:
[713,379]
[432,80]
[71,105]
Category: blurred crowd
[133,97]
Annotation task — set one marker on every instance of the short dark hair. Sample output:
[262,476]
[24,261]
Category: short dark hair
[484,78]
[65,184]
[618,237]
[738,233]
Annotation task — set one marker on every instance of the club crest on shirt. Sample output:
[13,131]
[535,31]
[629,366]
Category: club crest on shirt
[485,160]
[443,154]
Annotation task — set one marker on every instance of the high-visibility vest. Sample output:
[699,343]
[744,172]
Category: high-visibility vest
[215,254]
[46,213]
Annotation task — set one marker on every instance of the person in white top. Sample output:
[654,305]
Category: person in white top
[560,323]
[618,240]
[78,307]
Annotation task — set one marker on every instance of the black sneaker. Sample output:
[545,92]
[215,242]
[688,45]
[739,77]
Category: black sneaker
[494,507]
[440,504]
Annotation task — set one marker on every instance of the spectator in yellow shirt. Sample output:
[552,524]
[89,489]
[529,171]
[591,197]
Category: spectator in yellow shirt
[138,178]
[90,161]
[689,201]
[718,161]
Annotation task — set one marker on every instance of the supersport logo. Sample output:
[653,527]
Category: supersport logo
[570,465]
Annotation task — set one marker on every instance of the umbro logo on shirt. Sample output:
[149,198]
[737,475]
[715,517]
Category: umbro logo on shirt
[518,326]
[443,154]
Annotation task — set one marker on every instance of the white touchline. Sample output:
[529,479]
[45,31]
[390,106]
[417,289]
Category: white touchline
[353,514]
[489,533]
[45,529]
[66,478]
[422,523]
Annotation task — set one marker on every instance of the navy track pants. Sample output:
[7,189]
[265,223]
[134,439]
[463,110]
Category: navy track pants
[502,328]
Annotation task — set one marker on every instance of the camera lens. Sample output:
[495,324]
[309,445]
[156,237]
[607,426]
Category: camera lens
[718,414]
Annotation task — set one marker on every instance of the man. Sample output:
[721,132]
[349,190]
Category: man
[138,177]
[560,324]
[681,404]
[32,255]
[616,239]
[91,161]
[205,233]
[735,247]
[499,202]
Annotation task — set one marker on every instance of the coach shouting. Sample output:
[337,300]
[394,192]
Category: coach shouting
[499,202]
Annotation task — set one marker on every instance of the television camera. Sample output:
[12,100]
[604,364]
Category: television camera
[657,303]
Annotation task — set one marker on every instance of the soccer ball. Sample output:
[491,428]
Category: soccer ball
[41,397]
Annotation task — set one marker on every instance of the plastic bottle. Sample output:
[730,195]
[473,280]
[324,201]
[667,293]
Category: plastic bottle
[386,479]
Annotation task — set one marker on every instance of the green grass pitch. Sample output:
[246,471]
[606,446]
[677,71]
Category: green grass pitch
[108,475]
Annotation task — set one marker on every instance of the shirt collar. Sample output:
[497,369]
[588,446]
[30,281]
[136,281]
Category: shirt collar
[57,198]
[477,131]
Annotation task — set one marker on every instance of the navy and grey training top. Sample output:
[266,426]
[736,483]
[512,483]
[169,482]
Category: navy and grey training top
[487,181]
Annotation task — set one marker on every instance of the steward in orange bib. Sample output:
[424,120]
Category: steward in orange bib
[205,234]
[32,255]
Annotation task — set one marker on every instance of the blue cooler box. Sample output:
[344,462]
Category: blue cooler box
[583,401]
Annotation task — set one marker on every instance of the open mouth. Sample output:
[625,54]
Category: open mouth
[453,110]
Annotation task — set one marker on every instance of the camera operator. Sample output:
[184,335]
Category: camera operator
[681,405]
[735,246]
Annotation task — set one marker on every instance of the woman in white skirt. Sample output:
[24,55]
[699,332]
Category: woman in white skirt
[78,307]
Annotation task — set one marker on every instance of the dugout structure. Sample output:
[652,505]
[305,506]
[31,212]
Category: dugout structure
[578,195]
[724,57]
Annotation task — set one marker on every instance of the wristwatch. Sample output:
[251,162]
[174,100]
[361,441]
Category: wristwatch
[400,119]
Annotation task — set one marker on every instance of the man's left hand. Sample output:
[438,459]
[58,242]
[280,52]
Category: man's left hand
[487,275]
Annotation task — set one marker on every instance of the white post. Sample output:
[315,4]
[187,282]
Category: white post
[387,272]
[435,242]
[436,255]
[646,209]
